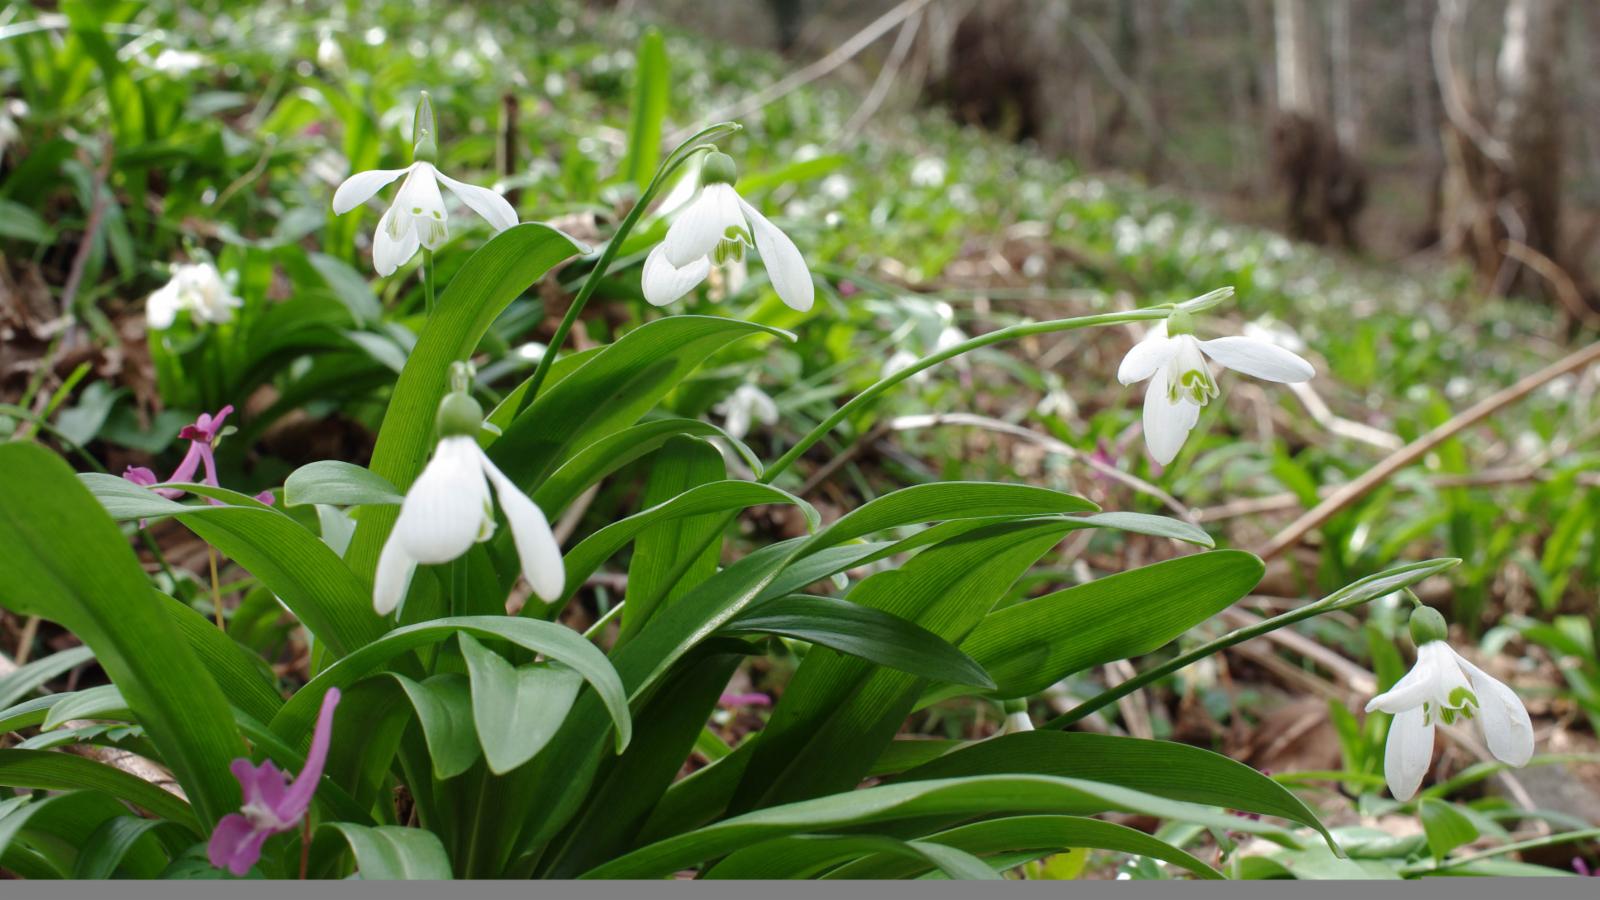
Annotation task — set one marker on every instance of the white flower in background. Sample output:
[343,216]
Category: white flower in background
[1017,722]
[715,227]
[197,289]
[177,62]
[1444,687]
[10,132]
[901,359]
[417,218]
[448,509]
[1181,382]
[746,404]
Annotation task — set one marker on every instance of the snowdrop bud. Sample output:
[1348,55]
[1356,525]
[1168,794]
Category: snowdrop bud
[459,416]
[1427,625]
[718,168]
[425,148]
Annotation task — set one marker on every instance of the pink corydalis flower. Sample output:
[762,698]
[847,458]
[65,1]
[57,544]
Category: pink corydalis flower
[272,804]
[202,437]
[736,701]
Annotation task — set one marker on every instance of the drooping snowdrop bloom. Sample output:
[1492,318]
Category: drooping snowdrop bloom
[272,803]
[448,509]
[198,289]
[417,218]
[202,437]
[1444,687]
[1181,382]
[745,405]
[715,227]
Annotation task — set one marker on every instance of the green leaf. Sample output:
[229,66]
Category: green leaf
[1446,827]
[1163,768]
[839,712]
[652,79]
[293,563]
[99,702]
[45,770]
[1043,834]
[106,848]
[66,561]
[557,642]
[671,556]
[517,710]
[52,830]
[1036,643]
[1155,526]
[483,287]
[25,679]
[863,632]
[611,453]
[956,798]
[337,483]
[392,853]
[716,497]
[443,705]
[20,223]
[809,855]
[946,500]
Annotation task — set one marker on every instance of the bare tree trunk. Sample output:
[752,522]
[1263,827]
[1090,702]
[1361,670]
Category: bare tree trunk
[1346,108]
[1502,188]
[1325,188]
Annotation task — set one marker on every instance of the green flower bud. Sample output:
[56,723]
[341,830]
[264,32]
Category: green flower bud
[1427,625]
[424,146]
[718,169]
[459,416]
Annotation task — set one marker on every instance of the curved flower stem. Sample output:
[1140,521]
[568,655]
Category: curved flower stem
[427,280]
[1517,847]
[700,141]
[1011,333]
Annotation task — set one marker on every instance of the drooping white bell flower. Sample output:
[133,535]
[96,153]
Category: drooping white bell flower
[1181,382]
[417,218]
[1444,687]
[745,405]
[715,228]
[198,289]
[448,509]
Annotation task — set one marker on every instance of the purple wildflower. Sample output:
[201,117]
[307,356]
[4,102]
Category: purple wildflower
[272,804]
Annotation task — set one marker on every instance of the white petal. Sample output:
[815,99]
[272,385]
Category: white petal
[1258,359]
[1407,693]
[663,282]
[1407,753]
[530,531]
[444,512]
[786,268]
[483,201]
[161,310]
[359,188]
[1166,424]
[702,224]
[1506,726]
[395,569]
[762,406]
[419,199]
[388,253]
[1147,356]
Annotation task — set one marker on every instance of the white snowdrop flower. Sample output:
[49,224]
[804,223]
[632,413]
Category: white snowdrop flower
[10,132]
[745,405]
[901,359]
[715,227]
[448,509]
[417,218]
[1181,382]
[836,187]
[929,171]
[1444,687]
[177,62]
[330,55]
[1017,722]
[197,289]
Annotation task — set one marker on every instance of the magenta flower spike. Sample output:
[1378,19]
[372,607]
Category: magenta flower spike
[272,805]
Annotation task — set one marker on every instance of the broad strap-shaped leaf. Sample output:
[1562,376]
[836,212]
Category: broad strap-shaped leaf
[607,455]
[1163,768]
[292,562]
[673,555]
[809,855]
[65,560]
[392,853]
[838,712]
[1042,834]
[863,632]
[516,709]
[443,705]
[114,840]
[557,642]
[25,679]
[1034,644]
[943,501]
[338,483]
[982,795]
[44,770]
[499,272]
